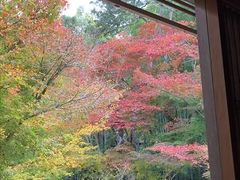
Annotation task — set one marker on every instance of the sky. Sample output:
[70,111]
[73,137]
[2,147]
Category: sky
[73,6]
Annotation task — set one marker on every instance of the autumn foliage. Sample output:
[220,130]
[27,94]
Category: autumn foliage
[64,103]
[143,67]
[194,153]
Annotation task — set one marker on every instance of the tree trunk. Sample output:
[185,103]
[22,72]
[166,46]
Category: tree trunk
[119,138]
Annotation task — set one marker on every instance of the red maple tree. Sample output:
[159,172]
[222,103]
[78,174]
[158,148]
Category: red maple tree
[143,66]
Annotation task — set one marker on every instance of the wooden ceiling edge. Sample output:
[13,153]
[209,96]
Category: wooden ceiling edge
[186,4]
[179,8]
[142,12]
[190,1]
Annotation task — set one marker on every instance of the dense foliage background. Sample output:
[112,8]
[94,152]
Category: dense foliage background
[106,95]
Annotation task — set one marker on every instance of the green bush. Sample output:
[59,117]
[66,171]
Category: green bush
[193,132]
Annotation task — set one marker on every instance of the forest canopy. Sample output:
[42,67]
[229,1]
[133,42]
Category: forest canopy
[102,95]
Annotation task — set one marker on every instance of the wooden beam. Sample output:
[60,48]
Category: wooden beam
[142,12]
[191,1]
[170,4]
[214,91]
[184,3]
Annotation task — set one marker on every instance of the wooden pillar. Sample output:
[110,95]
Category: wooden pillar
[214,91]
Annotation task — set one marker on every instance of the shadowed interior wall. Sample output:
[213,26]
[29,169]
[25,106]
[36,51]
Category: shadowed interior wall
[229,16]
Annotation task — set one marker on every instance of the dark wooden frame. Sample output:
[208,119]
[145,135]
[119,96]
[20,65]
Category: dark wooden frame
[214,91]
